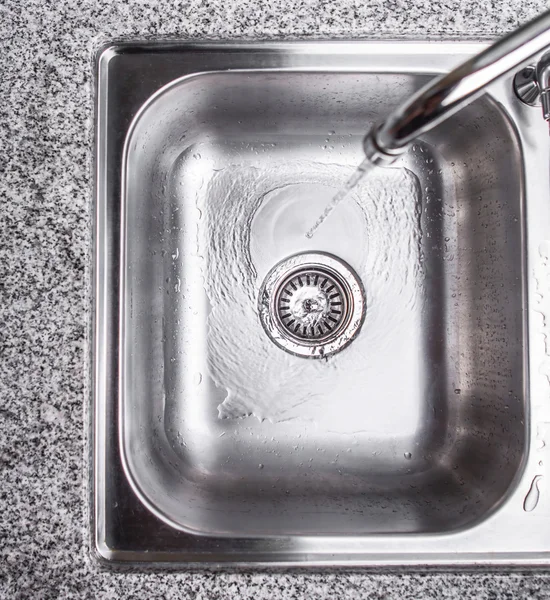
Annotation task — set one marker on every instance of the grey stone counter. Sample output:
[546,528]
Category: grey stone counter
[46,113]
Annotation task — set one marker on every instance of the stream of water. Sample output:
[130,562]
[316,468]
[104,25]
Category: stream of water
[362,170]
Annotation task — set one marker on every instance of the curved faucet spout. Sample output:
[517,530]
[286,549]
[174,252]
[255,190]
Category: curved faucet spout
[447,94]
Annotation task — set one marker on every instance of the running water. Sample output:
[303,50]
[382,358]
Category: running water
[365,167]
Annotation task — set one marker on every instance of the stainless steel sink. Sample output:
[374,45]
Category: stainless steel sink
[398,420]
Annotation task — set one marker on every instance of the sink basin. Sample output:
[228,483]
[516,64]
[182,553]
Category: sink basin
[402,427]
[222,173]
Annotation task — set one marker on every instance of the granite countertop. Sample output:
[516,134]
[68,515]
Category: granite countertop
[45,253]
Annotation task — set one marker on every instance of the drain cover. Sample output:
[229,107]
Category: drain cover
[312,304]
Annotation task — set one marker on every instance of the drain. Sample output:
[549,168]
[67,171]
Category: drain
[312,304]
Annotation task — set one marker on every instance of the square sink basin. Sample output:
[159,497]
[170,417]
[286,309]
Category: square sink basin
[363,396]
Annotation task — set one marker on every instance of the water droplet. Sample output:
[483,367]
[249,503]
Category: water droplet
[457,391]
[533,495]
[197,379]
[408,455]
[260,466]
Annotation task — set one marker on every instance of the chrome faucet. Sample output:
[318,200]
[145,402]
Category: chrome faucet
[532,85]
[448,93]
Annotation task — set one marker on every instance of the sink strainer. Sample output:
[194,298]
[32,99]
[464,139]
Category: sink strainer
[312,304]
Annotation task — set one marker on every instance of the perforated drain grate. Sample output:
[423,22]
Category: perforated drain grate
[312,304]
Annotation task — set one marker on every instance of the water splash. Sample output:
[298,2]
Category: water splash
[533,495]
[365,167]
[253,218]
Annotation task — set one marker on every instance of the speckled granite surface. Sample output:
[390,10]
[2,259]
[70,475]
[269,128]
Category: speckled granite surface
[45,244]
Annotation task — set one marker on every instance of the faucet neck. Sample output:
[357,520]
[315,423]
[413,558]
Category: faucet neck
[447,94]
